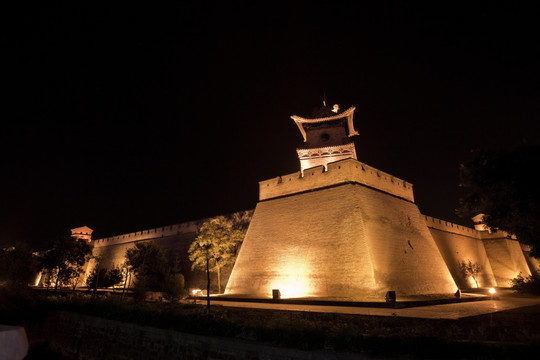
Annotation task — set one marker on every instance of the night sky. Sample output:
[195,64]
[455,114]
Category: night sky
[128,117]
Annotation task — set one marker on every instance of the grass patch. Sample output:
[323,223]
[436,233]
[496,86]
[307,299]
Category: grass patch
[494,336]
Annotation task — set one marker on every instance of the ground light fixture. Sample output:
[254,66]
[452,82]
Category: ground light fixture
[390,296]
[492,291]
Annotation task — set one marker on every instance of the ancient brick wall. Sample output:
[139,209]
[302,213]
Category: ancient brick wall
[506,258]
[458,243]
[346,241]
[175,238]
[343,171]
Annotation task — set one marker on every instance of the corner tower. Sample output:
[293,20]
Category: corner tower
[326,137]
[338,229]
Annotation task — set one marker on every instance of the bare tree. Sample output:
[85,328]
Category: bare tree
[470,269]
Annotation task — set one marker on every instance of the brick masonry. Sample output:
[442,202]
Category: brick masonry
[349,241]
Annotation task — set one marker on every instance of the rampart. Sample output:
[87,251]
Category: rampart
[499,255]
[149,234]
[459,244]
[175,238]
[339,172]
[443,225]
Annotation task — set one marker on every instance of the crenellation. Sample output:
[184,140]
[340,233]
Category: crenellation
[148,234]
[439,224]
[343,171]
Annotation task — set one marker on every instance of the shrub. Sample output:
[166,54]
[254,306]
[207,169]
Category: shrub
[527,285]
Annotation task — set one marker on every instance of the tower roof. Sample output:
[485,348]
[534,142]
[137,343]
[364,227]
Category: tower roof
[300,121]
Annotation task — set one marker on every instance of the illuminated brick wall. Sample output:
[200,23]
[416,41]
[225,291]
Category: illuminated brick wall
[458,243]
[175,238]
[506,257]
[343,171]
[346,241]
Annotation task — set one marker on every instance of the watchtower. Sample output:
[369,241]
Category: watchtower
[326,137]
[341,230]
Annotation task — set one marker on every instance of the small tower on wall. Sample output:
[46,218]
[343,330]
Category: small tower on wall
[327,137]
[82,233]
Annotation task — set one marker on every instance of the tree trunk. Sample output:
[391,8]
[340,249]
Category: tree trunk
[207,283]
[218,279]
[56,282]
[125,284]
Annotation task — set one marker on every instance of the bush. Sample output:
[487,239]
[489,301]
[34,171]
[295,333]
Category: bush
[527,285]
[101,278]
[174,287]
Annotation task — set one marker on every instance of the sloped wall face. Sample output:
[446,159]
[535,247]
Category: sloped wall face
[404,254]
[305,245]
[346,242]
[113,255]
[456,248]
[507,260]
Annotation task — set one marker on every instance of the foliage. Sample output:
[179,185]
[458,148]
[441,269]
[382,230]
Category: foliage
[18,266]
[470,269]
[102,278]
[154,272]
[503,186]
[174,286]
[217,243]
[527,285]
[65,260]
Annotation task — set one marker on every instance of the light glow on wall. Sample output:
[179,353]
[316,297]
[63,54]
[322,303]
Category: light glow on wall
[293,280]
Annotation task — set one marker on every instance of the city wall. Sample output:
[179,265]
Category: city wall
[344,171]
[500,256]
[298,215]
[175,238]
[506,257]
[347,241]
[457,244]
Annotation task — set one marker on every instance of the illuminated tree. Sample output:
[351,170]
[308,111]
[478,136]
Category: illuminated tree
[100,277]
[216,246]
[503,186]
[470,269]
[18,266]
[66,260]
[153,270]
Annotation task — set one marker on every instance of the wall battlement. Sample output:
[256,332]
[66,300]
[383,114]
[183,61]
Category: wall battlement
[447,226]
[443,225]
[344,171]
[160,232]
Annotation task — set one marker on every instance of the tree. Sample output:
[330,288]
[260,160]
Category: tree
[100,277]
[216,246]
[503,186]
[153,270]
[18,266]
[174,283]
[470,269]
[527,285]
[66,260]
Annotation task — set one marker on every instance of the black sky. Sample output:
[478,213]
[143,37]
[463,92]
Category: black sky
[128,117]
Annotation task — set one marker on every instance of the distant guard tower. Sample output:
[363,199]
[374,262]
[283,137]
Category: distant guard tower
[82,233]
[326,137]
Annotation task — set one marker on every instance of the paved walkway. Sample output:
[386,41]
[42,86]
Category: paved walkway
[444,311]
